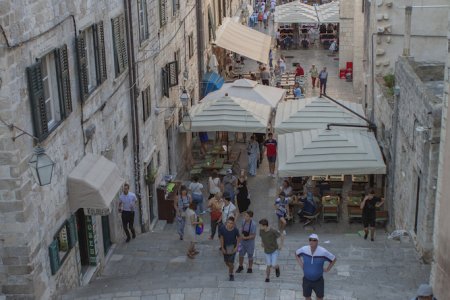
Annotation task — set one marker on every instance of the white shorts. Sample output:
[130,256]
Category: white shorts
[271,259]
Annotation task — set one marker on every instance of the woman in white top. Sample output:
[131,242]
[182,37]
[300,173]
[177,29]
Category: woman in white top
[214,184]
[189,233]
[196,189]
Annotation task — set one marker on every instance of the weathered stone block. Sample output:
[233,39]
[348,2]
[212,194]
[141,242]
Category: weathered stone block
[10,260]
[20,270]
[11,206]
[17,288]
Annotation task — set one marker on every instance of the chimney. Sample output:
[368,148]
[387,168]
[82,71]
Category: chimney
[407,36]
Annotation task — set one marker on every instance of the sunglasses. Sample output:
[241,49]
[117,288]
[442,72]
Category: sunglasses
[312,240]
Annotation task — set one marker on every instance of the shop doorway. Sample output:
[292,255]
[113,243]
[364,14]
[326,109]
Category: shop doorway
[106,234]
[150,191]
[82,239]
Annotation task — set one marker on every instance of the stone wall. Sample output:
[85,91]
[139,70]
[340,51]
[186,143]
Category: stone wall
[416,170]
[440,273]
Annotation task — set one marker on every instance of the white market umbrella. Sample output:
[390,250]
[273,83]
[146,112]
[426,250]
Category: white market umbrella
[249,90]
[315,113]
[334,151]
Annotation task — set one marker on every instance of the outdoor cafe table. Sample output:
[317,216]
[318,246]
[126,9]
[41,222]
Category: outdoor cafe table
[213,164]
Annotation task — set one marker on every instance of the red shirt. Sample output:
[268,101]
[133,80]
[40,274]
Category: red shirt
[299,71]
[271,145]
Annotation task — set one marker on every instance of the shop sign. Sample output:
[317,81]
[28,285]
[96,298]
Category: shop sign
[90,226]
[97,211]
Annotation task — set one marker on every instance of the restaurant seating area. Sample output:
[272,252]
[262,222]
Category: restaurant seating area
[337,197]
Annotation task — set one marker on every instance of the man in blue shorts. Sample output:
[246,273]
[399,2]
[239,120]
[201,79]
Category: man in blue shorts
[312,259]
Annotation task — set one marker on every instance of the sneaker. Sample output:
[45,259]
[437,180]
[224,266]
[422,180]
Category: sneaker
[127,240]
[270,175]
[273,175]
[365,236]
[239,270]
[231,277]
[277,272]
[249,270]
[284,232]
[181,238]
[372,239]
[267,280]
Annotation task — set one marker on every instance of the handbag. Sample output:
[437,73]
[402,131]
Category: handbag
[199,227]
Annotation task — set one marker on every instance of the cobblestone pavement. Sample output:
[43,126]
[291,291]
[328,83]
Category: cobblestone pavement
[154,265]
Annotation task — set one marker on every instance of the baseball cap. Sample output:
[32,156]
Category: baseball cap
[424,290]
[314,236]
[229,171]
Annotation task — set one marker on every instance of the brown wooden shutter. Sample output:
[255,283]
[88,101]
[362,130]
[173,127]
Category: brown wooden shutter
[65,96]
[80,43]
[37,101]
[100,56]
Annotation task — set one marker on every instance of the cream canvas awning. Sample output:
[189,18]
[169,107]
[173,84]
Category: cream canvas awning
[244,40]
[315,113]
[335,151]
[94,183]
[249,90]
[229,114]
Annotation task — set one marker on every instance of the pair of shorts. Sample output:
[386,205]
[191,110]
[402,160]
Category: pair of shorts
[271,259]
[229,258]
[368,221]
[318,286]
[247,248]
[272,158]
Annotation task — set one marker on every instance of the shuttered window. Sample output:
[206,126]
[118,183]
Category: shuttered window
[90,46]
[172,70]
[146,103]
[175,7]
[63,241]
[165,82]
[143,20]
[162,12]
[120,51]
[191,45]
[50,92]
[211,25]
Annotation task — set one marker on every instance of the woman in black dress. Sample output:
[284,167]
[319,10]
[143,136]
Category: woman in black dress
[242,197]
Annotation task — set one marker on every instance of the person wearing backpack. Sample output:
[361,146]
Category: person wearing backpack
[247,245]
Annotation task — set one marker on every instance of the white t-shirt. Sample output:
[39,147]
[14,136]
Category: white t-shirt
[214,185]
[228,211]
[196,188]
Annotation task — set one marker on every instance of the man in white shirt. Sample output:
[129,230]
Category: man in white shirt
[127,205]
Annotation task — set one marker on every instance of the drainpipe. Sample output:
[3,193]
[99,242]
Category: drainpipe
[133,105]
[200,45]
[392,181]
[407,39]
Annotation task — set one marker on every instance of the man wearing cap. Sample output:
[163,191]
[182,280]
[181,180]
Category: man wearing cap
[229,184]
[425,292]
[312,259]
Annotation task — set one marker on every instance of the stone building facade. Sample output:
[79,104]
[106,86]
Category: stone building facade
[86,77]
[384,38]
[351,41]
[440,272]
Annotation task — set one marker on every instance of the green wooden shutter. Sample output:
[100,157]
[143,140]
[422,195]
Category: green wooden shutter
[100,56]
[165,82]
[36,91]
[53,252]
[65,96]
[123,48]
[73,237]
[116,42]
[80,43]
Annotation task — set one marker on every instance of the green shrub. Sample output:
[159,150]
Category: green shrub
[389,82]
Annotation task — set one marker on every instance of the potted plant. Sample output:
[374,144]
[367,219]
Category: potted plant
[151,177]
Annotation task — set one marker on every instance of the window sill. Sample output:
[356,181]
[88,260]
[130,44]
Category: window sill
[119,78]
[144,44]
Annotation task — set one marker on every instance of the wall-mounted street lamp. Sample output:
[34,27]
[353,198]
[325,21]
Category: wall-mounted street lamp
[40,163]
[184,99]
